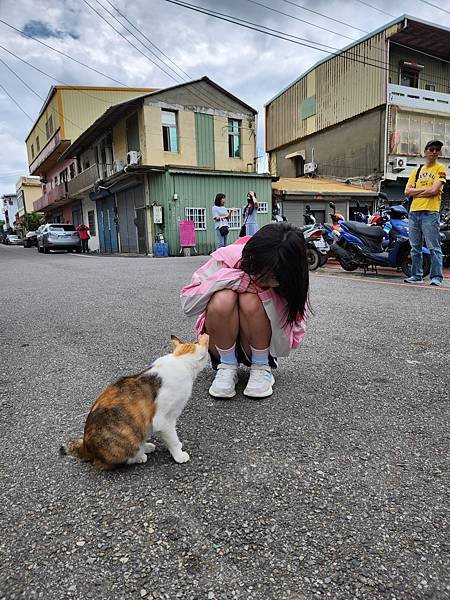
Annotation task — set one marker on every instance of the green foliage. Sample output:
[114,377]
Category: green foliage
[34,220]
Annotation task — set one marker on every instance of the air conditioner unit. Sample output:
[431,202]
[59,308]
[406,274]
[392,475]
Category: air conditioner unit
[399,163]
[133,157]
[118,165]
[310,167]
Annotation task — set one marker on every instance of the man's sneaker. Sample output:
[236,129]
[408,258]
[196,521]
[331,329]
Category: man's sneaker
[224,382]
[413,279]
[436,281]
[260,382]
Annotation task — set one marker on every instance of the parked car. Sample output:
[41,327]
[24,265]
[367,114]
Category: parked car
[31,238]
[13,240]
[58,236]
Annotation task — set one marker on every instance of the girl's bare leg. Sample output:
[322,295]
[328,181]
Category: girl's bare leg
[222,320]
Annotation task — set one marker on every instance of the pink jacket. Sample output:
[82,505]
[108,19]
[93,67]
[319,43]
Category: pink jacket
[222,272]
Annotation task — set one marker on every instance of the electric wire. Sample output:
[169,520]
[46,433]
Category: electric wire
[324,16]
[202,97]
[375,8]
[62,53]
[345,54]
[435,6]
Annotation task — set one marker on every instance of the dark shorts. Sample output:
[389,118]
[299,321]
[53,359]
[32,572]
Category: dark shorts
[242,358]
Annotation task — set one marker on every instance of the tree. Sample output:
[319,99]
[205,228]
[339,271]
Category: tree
[34,220]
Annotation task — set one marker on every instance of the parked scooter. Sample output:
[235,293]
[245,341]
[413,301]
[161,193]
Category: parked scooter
[317,248]
[444,231]
[361,245]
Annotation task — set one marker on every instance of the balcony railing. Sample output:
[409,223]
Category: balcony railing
[402,95]
[83,181]
[51,196]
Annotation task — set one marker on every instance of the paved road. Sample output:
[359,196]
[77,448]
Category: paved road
[333,488]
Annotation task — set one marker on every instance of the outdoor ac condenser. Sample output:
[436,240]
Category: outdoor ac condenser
[399,163]
[133,157]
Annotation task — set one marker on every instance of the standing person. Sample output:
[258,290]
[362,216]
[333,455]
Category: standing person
[425,188]
[221,214]
[250,214]
[251,297]
[83,230]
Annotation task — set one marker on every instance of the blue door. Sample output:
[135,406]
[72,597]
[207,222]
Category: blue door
[107,228]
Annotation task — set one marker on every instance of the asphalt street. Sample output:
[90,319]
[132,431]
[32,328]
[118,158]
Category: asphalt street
[335,487]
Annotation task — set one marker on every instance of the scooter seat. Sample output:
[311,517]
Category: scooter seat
[372,232]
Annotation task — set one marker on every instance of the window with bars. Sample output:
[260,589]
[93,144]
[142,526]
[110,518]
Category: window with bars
[91,222]
[169,130]
[49,127]
[234,138]
[198,215]
[235,220]
[263,207]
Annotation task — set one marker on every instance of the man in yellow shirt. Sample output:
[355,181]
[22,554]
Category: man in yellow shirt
[426,191]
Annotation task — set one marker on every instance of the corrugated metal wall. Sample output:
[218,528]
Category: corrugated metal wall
[204,139]
[199,191]
[345,86]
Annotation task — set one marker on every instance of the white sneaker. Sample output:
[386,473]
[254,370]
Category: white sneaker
[224,382]
[260,382]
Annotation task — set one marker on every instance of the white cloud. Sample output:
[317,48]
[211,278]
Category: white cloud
[252,66]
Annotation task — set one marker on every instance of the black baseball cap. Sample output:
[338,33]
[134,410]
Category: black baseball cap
[437,143]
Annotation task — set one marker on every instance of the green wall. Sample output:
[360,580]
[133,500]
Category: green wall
[197,189]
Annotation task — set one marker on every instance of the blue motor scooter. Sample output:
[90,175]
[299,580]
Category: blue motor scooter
[372,246]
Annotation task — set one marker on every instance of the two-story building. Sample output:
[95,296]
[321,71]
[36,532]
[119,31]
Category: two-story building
[28,190]
[149,163]
[66,113]
[368,110]
[10,212]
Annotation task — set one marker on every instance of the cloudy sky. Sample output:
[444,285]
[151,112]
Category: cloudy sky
[251,65]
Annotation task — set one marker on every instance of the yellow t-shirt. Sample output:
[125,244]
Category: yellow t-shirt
[427,178]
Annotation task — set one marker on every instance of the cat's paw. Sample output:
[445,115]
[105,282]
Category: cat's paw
[181,457]
[149,447]
[141,459]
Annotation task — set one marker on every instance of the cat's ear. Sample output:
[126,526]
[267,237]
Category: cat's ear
[203,340]
[175,341]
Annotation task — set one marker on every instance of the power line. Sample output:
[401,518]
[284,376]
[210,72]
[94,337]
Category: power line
[149,40]
[16,103]
[324,16]
[202,96]
[280,12]
[62,53]
[375,8]
[345,54]
[127,40]
[435,6]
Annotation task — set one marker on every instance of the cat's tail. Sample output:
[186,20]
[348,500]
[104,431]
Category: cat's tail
[75,448]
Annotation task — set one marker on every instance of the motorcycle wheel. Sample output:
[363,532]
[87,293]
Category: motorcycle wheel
[406,263]
[323,259]
[312,257]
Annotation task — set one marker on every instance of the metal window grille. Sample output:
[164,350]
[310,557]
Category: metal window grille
[263,207]
[91,222]
[235,220]
[198,215]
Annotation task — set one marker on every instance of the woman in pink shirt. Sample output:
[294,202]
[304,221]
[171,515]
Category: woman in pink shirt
[83,230]
[251,297]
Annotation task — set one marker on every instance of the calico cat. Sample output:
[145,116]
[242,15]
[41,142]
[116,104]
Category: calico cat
[127,411]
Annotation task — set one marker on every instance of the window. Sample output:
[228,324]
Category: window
[198,215]
[234,138]
[409,77]
[235,220]
[49,127]
[263,207]
[430,87]
[91,222]
[72,170]
[32,150]
[38,145]
[169,130]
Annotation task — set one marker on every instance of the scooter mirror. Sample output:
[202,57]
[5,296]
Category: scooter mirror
[382,196]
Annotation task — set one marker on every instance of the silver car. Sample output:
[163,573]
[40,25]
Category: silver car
[58,236]
[13,240]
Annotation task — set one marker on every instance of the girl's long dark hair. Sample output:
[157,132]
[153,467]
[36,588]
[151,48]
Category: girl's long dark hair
[279,250]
